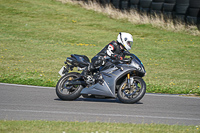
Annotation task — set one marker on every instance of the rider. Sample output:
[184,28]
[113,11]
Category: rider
[114,50]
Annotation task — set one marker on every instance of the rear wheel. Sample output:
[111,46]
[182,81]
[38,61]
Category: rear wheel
[65,92]
[134,93]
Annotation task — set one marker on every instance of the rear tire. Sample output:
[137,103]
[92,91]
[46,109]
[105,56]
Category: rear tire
[133,94]
[68,92]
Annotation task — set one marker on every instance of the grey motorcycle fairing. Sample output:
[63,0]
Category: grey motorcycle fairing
[110,77]
[99,89]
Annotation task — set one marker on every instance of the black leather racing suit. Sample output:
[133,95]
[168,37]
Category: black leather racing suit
[111,50]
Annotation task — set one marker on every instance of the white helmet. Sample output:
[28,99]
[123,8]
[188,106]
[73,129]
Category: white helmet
[125,39]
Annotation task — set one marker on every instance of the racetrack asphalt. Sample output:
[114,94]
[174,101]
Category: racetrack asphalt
[22,102]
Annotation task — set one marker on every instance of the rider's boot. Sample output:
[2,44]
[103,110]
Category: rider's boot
[87,76]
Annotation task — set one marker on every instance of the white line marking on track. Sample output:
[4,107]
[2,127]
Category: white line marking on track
[94,114]
[30,86]
[170,95]
[150,94]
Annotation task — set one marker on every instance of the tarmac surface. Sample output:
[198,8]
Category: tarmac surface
[22,102]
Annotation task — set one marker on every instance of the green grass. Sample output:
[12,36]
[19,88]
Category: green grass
[87,127]
[37,36]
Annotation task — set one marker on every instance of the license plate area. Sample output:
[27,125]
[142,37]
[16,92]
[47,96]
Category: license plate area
[61,71]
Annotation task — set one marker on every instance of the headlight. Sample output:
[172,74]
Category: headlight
[136,66]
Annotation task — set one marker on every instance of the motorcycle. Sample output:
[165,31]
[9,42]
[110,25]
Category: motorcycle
[120,79]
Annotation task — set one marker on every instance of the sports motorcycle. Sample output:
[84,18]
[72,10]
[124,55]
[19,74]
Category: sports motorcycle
[120,79]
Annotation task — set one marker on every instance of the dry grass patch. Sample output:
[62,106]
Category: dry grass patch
[135,17]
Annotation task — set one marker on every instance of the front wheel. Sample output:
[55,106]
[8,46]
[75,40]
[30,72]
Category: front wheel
[65,92]
[134,93]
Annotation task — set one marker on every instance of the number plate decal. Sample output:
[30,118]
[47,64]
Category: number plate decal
[61,71]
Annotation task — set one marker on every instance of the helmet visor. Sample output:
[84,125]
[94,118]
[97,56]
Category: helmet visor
[130,43]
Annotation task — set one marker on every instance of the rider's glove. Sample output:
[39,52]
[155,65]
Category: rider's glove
[116,57]
[126,52]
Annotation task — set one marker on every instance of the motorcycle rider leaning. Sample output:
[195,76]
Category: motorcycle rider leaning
[114,50]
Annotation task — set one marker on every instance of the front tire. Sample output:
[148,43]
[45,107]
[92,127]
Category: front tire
[68,92]
[133,94]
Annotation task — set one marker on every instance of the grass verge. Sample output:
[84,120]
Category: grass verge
[133,16]
[87,127]
[36,37]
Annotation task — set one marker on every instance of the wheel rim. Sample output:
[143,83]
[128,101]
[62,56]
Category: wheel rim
[132,92]
[68,90]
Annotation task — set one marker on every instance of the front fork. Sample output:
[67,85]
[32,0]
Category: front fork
[128,80]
